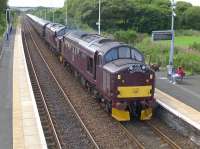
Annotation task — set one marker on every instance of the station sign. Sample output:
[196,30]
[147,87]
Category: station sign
[162,35]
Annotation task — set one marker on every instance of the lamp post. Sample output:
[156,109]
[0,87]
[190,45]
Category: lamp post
[99,20]
[8,21]
[45,13]
[66,21]
[53,16]
[171,58]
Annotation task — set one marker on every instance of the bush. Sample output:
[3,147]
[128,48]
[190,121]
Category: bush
[189,62]
[190,32]
[195,46]
[128,36]
[2,24]
[159,53]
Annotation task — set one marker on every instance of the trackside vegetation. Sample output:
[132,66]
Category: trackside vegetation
[132,21]
[3,4]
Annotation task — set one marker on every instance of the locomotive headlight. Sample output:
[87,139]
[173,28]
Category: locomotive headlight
[143,67]
[118,76]
[151,76]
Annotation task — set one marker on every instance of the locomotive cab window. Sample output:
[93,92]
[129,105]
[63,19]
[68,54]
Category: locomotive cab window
[90,64]
[60,33]
[136,55]
[111,55]
[123,52]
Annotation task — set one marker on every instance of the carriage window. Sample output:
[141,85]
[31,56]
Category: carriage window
[124,52]
[136,55]
[99,60]
[60,33]
[90,64]
[111,55]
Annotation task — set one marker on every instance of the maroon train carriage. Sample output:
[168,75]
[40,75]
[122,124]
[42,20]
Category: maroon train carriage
[115,71]
[54,34]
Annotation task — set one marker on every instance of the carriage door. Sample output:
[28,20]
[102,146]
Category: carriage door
[99,72]
[95,64]
[73,53]
[106,82]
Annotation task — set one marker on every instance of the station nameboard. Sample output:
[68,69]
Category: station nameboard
[162,35]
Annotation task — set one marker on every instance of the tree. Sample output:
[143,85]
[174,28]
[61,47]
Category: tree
[181,7]
[3,5]
[192,18]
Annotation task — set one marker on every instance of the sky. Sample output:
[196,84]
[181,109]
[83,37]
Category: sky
[35,3]
[60,3]
[194,2]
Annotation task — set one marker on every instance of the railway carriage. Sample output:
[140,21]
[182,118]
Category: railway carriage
[54,34]
[114,71]
[38,24]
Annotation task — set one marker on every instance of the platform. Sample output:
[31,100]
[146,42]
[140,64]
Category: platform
[6,68]
[187,92]
[27,129]
[183,100]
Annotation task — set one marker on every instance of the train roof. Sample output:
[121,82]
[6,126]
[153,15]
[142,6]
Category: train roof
[93,42]
[90,41]
[38,20]
[55,27]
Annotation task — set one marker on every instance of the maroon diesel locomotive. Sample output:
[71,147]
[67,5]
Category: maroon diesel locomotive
[114,71]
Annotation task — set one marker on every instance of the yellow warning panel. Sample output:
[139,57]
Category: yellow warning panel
[134,91]
[146,114]
[120,115]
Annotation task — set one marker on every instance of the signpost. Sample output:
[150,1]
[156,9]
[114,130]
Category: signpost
[168,35]
[162,35]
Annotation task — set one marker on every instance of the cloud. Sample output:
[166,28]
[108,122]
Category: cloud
[36,3]
[193,2]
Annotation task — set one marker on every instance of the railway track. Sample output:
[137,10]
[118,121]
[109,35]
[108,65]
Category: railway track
[133,143]
[73,134]
[152,136]
[45,116]
[163,136]
[133,138]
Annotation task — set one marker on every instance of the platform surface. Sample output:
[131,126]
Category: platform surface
[187,91]
[6,67]
[27,129]
[182,99]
